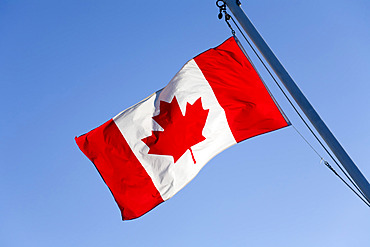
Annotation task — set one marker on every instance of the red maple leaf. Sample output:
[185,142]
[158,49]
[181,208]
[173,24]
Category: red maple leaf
[180,132]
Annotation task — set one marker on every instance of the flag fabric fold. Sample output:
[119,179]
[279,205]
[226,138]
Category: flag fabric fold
[151,150]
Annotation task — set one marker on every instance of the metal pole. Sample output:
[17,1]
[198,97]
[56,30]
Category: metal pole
[300,99]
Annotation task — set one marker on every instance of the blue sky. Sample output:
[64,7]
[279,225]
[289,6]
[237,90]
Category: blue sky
[69,66]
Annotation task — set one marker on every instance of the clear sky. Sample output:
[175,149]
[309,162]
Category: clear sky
[66,67]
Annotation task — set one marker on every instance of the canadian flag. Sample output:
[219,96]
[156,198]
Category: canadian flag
[151,150]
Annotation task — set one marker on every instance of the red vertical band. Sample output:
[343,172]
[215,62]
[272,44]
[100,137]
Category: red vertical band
[126,178]
[249,108]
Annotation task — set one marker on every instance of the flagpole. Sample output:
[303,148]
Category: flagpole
[301,100]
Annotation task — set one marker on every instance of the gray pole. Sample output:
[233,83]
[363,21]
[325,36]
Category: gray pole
[301,100]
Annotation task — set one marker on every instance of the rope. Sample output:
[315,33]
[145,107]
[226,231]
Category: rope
[358,192]
[308,143]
